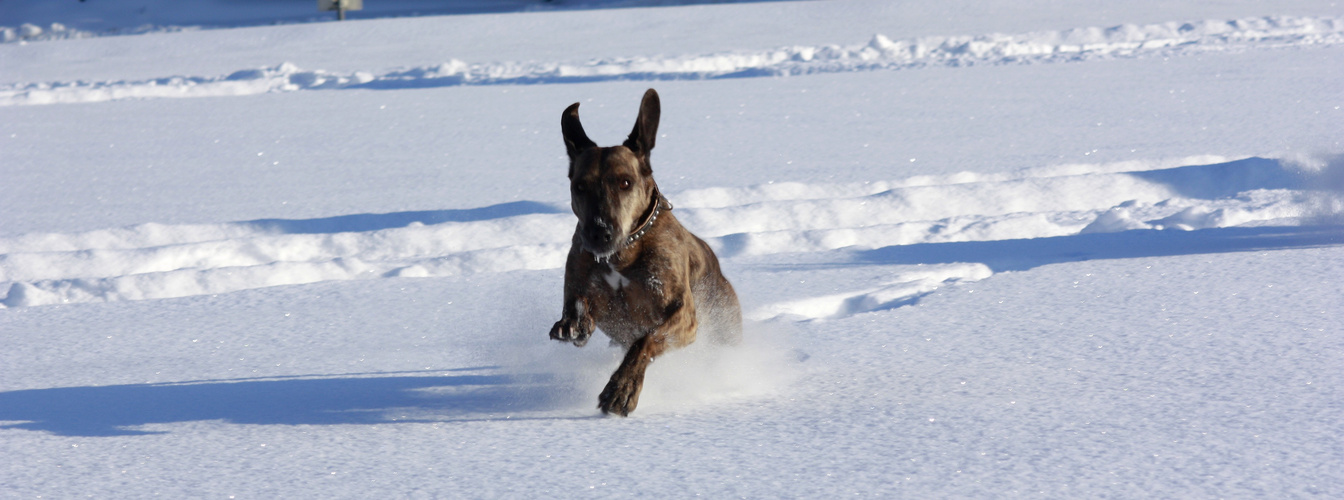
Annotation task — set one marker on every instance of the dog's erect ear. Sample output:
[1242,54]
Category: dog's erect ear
[646,126]
[576,141]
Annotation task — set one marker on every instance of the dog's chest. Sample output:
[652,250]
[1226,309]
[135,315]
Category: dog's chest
[614,279]
[624,304]
[632,283]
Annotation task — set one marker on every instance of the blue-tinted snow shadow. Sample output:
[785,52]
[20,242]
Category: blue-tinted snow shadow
[1020,255]
[1223,180]
[460,7]
[303,9]
[374,222]
[117,410]
[115,18]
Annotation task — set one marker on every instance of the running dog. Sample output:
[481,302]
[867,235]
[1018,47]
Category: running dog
[633,271]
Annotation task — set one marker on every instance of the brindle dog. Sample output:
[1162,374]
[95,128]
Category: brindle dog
[633,270]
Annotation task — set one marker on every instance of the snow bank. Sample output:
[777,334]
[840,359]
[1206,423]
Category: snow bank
[879,53]
[151,261]
[905,290]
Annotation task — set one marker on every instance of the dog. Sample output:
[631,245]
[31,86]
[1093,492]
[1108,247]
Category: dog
[633,271]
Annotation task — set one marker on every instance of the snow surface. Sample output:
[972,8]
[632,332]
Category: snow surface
[879,53]
[984,250]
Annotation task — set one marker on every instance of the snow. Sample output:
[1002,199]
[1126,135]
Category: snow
[153,260]
[983,250]
[880,53]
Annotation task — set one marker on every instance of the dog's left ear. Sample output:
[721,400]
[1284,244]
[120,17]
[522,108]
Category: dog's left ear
[646,126]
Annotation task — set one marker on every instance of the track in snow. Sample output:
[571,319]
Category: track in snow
[879,53]
[941,224]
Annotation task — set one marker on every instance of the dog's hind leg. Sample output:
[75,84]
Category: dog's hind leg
[720,314]
[727,316]
[622,392]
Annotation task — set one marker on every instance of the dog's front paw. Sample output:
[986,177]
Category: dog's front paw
[621,394]
[576,331]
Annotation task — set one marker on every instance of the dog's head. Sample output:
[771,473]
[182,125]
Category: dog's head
[611,188]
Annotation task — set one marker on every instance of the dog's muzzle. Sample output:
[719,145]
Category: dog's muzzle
[598,237]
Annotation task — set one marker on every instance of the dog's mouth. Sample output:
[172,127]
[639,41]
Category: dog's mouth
[599,239]
[601,255]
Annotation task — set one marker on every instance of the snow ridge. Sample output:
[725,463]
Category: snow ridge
[879,53]
[155,261]
[28,32]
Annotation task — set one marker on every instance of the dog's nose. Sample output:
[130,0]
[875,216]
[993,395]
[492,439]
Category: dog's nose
[598,233]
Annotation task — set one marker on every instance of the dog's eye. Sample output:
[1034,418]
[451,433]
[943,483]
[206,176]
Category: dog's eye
[625,184]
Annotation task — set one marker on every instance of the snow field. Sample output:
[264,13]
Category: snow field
[152,261]
[880,53]
[970,401]
[1115,276]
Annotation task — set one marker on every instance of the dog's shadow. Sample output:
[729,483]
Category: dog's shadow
[483,393]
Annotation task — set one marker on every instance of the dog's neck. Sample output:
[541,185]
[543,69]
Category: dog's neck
[656,206]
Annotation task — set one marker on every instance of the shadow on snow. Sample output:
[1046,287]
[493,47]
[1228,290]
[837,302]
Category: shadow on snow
[1020,255]
[248,13]
[117,410]
[1223,180]
[374,222]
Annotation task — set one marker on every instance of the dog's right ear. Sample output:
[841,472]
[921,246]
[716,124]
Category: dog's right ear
[576,141]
